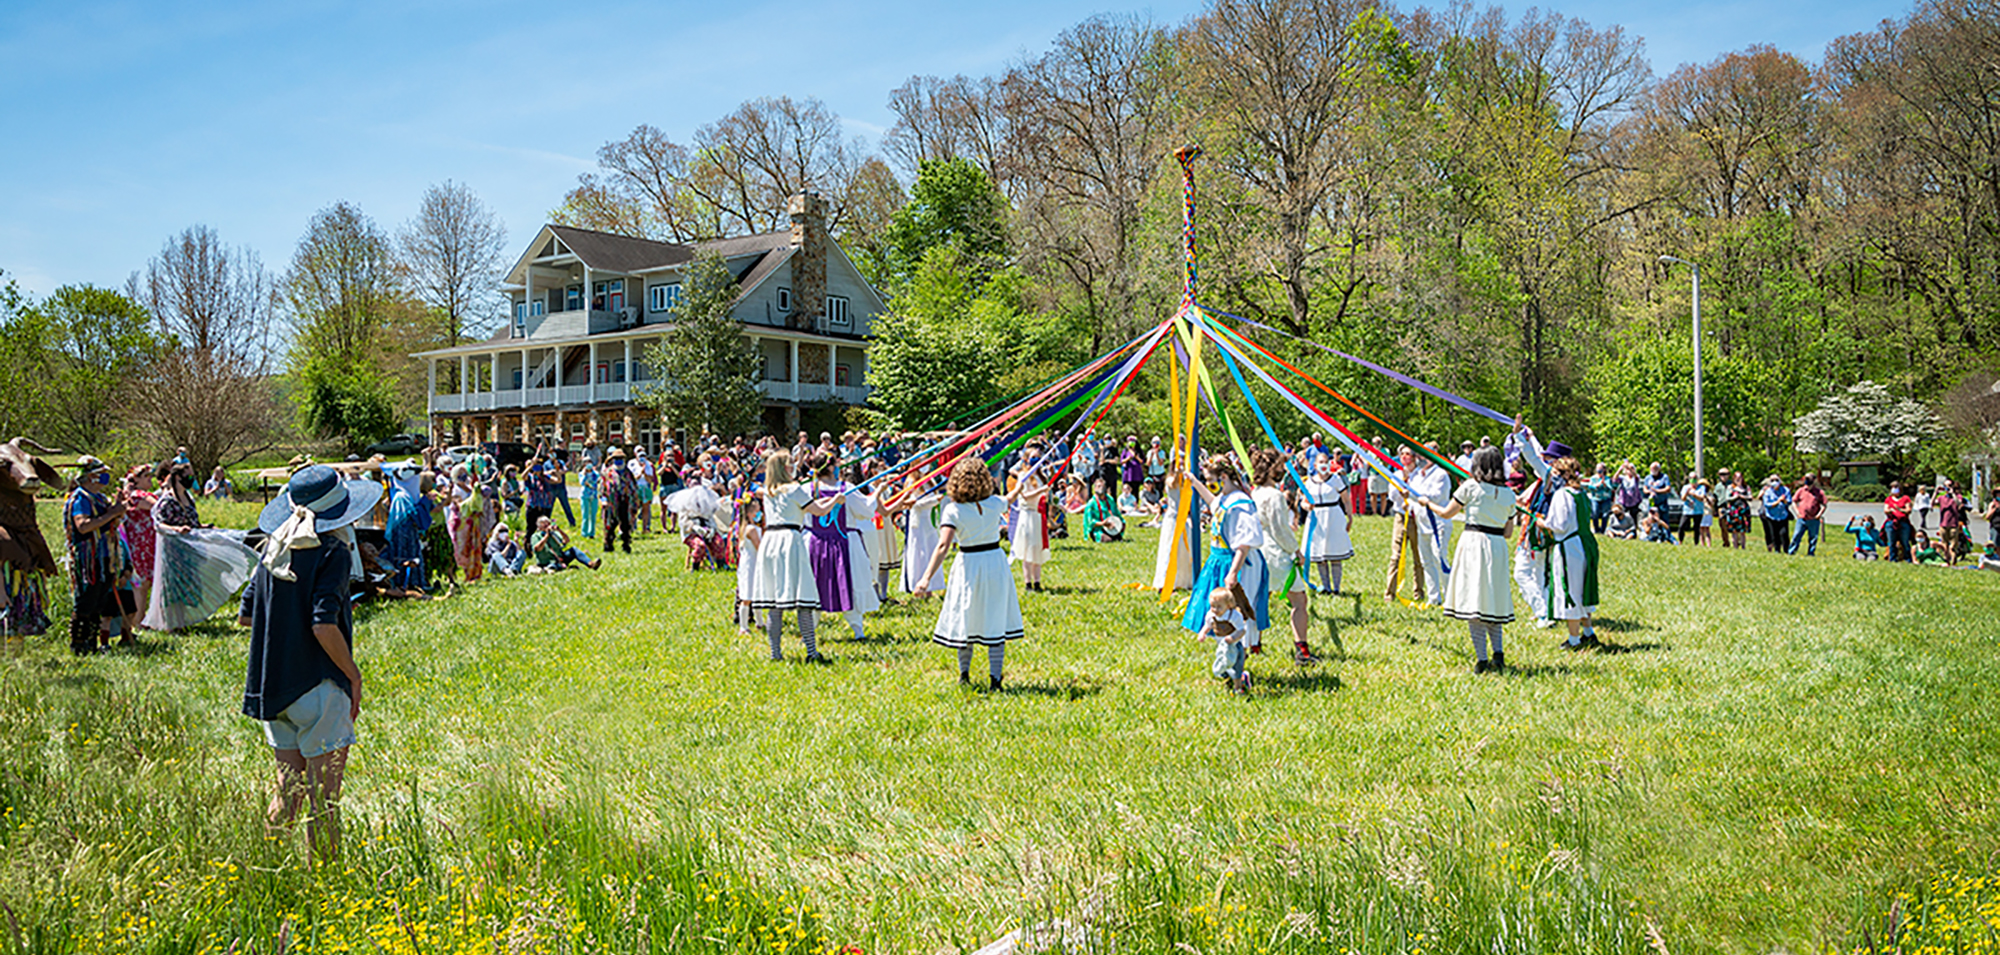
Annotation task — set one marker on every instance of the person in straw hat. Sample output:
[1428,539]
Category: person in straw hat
[301,679]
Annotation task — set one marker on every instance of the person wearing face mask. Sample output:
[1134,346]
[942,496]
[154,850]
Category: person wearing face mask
[1030,541]
[91,519]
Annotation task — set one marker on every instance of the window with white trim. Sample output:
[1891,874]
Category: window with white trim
[784,299]
[664,298]
[836,311]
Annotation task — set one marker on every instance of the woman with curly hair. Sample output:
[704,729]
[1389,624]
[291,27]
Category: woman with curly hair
[981,607]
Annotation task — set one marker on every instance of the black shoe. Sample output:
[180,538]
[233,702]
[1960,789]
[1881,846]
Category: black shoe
[964,678]
[1482,666]
[817,657]
[1499,661]
[1577,647]
[1590,640]
[996,684]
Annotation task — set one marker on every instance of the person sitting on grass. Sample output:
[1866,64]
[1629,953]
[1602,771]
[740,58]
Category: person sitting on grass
[504,555]
[552,548]
[1227,625]
[1926,551]
[1101,517]
[1622,526]
[1989,559]
[1866,537]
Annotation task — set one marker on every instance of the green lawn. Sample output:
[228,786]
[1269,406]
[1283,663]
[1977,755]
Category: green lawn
[598,762]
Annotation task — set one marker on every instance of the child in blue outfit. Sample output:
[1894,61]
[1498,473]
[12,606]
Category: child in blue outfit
[1227,626]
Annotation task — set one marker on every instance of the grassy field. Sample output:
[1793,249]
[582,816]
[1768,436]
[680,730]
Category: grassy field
[1777,754]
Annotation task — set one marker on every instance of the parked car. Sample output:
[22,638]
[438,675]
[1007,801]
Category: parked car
[399,444]
[455,454]
[506,453]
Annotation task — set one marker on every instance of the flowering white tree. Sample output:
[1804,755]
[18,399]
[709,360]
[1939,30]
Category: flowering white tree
[1864,421]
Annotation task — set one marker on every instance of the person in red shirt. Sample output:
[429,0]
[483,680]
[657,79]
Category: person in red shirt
[1896,523]
[1808,505]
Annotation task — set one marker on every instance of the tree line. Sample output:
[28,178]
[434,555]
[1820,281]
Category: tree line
[1478,199]
[205,348]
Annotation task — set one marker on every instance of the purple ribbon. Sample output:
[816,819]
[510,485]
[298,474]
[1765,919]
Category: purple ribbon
[1469,405]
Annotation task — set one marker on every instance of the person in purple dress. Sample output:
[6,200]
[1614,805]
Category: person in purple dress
[826,541]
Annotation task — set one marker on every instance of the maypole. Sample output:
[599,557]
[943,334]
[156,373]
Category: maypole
[1189,332]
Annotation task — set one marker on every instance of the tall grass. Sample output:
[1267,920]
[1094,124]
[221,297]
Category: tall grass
[595,762]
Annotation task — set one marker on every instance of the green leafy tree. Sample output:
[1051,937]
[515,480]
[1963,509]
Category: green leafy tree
[953,202]
[1643,407]
[950,345]
[88,342]
[347,403]
[705,368]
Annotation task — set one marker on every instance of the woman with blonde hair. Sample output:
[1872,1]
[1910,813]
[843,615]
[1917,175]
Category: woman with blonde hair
[784,565]
[981,607]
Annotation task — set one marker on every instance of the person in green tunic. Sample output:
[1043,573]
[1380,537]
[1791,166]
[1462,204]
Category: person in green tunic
[1572,558]
[1101,516]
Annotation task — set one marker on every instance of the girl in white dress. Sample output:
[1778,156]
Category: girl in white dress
[1235,551]
[1327,542]
[920,536]
[1480,590]
[980,605]
[1280,521]
[749,530]
[784,569]
[1029,545]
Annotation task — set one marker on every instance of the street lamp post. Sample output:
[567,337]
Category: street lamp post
[1698,468]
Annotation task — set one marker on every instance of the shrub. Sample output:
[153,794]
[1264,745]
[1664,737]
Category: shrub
[1861,493]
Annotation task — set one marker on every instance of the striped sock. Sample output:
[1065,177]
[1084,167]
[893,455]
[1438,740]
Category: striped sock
[772,628]
[996,659]
[965,660]
[806,618]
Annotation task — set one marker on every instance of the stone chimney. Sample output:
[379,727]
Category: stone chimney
[808,211]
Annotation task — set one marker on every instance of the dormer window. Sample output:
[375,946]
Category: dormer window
[836,312]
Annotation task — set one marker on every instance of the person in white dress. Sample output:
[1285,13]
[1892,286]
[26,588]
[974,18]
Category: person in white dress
[981,607]
[1327,542]
[1432,486]
[1531,550]
[1029,544]
[923,514]
[1235,551]
[749,530]
[784,569]
[1279,518]
[1480,591]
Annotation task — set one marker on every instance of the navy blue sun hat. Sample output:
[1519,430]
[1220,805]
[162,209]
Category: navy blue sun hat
[333,501]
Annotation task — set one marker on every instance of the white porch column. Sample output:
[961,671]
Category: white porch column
[792,370]
[592,377]
[464,383]
[628,367]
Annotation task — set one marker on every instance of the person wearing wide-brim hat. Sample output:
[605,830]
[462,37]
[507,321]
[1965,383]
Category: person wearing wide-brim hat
[302,681]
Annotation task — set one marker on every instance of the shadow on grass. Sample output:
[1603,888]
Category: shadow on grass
[1614,649]
[1317,679]
[1066,690]
[1617,625]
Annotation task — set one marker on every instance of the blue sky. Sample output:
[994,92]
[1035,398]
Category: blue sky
[135,120]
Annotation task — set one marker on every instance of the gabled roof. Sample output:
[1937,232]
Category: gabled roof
[620,253]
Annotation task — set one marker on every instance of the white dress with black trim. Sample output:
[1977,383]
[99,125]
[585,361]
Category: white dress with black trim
[1326,519]
[784,569]
[1480,586]
[980,603]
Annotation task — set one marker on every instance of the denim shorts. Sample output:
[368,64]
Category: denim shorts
[316,724]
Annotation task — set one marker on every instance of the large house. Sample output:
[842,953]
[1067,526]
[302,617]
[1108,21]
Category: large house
[586,305]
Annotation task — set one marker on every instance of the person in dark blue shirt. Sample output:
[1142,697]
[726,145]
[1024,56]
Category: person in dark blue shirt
[302,681]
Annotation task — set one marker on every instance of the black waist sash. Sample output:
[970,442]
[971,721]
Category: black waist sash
[980,548]
[1483,529]
[782,527]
